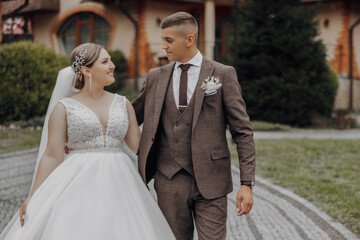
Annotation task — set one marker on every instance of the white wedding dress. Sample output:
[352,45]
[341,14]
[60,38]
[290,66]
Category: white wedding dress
[97,192]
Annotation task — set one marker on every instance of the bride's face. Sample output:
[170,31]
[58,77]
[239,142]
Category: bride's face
[102,70]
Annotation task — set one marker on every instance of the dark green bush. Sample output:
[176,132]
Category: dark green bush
[120,63]
[27,76]
[282,64]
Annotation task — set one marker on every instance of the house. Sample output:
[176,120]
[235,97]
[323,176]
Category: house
[125,24]
[336,18]
[113,24]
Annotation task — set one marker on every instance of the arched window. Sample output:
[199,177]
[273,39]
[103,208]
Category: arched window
[81,28]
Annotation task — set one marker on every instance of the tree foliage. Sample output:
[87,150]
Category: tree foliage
[281,65]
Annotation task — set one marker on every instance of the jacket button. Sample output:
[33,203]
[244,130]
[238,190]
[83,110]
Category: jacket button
[152,139]
[177,124]
[187,124]
[176,140]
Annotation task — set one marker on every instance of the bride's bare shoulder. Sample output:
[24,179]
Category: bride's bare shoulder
[129,107]
[58,112]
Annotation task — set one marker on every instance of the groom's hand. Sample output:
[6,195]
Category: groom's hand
[244,200]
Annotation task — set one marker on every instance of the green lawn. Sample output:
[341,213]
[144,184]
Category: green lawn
[14,140]
[325,172]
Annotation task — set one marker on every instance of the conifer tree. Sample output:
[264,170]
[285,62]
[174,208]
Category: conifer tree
[281,65]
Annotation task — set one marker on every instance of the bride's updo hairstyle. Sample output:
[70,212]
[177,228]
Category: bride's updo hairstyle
[83,55]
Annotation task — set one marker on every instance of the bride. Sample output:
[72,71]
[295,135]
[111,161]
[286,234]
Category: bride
[95,192]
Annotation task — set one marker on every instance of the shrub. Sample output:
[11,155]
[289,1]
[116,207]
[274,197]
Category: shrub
[120,63]
[27,76]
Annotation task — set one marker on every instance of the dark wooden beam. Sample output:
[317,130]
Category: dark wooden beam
[0,21]
[16,11]
[351,30]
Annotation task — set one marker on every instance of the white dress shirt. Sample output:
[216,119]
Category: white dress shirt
[193,77]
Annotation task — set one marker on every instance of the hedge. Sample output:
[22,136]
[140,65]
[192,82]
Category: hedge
[27,76]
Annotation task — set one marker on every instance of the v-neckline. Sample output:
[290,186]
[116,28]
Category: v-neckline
[103,129]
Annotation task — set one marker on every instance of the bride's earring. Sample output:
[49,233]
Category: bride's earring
[90,80]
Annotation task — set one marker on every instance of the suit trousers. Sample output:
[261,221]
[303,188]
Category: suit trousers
[182,203]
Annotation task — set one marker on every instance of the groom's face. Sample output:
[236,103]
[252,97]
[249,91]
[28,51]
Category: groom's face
[174,43]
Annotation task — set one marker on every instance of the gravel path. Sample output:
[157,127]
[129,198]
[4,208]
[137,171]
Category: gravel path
[310,134]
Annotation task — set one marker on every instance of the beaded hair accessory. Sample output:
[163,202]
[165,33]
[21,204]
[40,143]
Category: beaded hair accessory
[79,62]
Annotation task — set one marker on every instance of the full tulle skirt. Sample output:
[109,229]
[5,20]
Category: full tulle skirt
[92,196]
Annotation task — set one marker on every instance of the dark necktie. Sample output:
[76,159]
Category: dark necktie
[183,87]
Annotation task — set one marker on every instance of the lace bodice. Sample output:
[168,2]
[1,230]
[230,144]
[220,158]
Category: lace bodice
[84,130]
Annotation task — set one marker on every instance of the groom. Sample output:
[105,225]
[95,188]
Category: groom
[183,144]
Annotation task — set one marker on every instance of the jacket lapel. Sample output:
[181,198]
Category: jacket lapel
[162,86]
[207,69]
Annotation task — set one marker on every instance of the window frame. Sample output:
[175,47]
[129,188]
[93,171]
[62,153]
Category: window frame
[79,23]
[55,39]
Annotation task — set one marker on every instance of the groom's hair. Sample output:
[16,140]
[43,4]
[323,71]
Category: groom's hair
[185,22]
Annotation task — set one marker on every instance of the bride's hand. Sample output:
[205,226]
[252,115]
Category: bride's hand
[23,211]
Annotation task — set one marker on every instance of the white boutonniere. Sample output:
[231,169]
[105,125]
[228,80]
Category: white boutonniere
[211,85]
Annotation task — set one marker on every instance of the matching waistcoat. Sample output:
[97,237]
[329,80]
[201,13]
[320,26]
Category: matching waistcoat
[174,142]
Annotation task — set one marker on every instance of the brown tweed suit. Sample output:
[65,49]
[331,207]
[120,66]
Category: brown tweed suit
[209,150]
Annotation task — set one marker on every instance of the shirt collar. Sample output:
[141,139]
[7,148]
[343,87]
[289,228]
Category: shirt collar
[195,61]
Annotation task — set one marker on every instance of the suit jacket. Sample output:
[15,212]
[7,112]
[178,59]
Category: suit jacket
[210,153]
